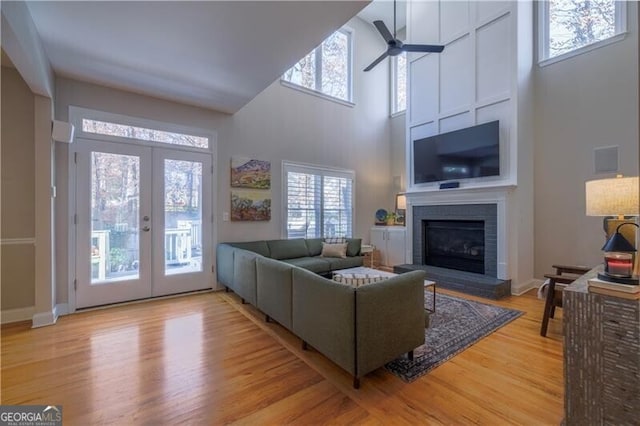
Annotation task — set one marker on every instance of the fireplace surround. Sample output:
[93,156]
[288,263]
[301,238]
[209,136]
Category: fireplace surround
[483,279]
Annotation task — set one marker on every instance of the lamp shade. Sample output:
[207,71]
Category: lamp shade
[612,197]
[401,202]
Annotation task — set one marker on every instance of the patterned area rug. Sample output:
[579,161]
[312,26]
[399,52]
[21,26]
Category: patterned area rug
[456,325]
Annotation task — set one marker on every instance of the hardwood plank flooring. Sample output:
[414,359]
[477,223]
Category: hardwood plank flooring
[207,359]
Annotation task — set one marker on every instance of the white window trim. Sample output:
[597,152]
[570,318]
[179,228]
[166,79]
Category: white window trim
[77,114]
[347,102]
[543,35]
[393,64]
[288,166]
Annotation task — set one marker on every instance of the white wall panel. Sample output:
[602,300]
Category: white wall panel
[455,122]
[490,9]
[424,86]
[454,19]
[493,53]
[423,22]
[456,78]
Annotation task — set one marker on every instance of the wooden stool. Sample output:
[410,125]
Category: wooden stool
[564,275]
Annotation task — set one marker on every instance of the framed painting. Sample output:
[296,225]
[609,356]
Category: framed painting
[249,173]
[252,206]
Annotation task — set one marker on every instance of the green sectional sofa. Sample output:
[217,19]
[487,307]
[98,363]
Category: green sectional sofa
[358,328]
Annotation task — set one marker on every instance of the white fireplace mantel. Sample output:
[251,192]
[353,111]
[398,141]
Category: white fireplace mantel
[496,195]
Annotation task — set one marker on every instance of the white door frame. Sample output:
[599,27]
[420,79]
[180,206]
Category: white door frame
[76,114]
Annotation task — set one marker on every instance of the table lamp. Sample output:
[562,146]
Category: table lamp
[401,207]
[615,197]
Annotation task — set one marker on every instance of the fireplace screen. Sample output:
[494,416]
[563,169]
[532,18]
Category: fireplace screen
[454,244]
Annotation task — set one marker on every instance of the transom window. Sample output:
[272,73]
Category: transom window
[318,201]
[141,133]
[568,26]
[327,69]
[398,83]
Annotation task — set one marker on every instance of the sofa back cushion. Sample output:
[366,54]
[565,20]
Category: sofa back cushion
[353,246]
[244,274]
[259,247]
[288,249]
[314,245]
[274,289]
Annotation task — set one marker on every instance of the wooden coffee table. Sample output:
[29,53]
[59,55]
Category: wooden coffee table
[378,273]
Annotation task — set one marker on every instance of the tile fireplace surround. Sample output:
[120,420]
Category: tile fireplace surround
[508,239]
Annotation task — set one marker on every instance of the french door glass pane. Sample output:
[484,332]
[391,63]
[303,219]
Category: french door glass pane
[115,203]
[183,216]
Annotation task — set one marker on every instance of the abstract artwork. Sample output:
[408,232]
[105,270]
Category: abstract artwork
[248,205]
[248,173]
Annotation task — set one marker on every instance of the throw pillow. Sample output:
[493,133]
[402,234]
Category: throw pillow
[335,240]
[334,250]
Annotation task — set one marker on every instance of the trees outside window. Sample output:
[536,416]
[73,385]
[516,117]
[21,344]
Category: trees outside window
[327,69]
[399,83]
[569,25]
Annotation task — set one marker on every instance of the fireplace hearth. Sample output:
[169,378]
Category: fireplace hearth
[454,244]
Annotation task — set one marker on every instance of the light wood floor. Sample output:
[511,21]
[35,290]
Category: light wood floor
[207,359]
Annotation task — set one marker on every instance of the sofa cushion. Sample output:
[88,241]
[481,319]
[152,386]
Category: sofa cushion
[313,264]
[344,262]
[288,249]
[259,247]
[353,246]
[334,250]
[314,246]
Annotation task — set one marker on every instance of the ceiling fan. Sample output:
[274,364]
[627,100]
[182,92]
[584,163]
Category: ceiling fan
[395,46]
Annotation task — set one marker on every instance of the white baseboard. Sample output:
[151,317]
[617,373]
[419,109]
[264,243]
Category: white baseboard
[15,315]
[522,288]
[62,309]
[43,319]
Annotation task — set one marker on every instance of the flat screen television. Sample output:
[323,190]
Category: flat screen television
[462,154]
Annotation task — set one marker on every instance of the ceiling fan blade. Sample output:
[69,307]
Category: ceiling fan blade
[376,62]
[384,31]
[422,48]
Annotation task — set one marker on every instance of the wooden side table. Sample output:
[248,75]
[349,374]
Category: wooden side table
[368,251]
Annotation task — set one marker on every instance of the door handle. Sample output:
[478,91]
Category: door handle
[146,229]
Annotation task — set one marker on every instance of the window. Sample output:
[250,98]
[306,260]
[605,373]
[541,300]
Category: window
[568,26]
[318,202]
[134,132]
[327,69]
[398,83]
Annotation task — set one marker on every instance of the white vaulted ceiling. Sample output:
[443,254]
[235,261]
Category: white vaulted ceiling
[217,54]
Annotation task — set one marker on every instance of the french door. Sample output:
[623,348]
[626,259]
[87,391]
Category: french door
[143,222]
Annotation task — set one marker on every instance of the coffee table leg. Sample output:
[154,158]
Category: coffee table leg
[433,303]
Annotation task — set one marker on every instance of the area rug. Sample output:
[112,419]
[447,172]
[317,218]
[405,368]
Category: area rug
[456,325]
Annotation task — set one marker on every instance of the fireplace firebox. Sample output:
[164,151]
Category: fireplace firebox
[454,244]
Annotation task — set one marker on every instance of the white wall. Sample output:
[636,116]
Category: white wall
[279,124]
[581,103]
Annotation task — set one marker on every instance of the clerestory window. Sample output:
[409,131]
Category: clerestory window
[327,69]
[569,27]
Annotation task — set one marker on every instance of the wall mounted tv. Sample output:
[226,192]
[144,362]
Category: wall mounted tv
[462,154]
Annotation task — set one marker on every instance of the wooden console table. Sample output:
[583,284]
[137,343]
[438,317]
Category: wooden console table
[601,356]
